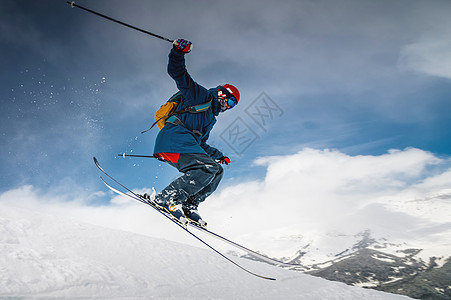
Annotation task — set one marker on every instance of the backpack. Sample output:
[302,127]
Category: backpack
[169,109]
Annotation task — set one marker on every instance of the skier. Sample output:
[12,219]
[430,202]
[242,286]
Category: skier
[182,142]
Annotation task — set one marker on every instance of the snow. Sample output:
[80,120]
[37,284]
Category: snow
[369,284]
[385,259]
[44,255]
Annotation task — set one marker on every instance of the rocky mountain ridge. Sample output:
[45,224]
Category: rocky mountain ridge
[381,265]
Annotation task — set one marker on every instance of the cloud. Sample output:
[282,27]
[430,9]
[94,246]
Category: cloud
[314,192]
[429,55]
[429,51]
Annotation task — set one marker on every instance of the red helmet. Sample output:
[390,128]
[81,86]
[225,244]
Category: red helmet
[233,90]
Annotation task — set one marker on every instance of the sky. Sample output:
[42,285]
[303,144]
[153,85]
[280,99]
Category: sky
[361,81]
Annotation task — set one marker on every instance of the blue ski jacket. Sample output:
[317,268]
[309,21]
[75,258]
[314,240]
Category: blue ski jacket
[181,138]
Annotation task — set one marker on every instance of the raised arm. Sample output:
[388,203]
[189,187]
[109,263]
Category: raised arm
[192,92]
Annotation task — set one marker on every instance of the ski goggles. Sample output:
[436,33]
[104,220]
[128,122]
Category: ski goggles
[231,100]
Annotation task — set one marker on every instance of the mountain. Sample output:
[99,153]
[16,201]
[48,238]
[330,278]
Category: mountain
[45,256]
[395,274]
[433,283]
[378,264]
[370,268]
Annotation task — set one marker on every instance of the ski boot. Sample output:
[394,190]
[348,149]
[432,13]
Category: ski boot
[193,216]
[175,210]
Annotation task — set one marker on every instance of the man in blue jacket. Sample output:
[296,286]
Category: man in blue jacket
[182,142]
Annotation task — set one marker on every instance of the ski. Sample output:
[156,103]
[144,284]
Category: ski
[253,253]
[137,197]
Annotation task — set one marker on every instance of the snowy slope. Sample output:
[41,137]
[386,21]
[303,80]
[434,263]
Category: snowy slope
[48,256]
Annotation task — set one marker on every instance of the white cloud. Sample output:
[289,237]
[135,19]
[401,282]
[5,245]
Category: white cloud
[314,192]
[429,51]
[429,55]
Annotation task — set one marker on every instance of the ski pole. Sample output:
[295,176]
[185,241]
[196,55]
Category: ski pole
[72,4]
[132,155]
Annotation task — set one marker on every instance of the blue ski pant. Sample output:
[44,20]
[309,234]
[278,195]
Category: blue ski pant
[200,178]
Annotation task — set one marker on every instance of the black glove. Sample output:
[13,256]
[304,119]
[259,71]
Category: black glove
[182,46]
[224,160]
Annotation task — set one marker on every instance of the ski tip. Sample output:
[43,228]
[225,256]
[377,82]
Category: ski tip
[263,277]
[269,278]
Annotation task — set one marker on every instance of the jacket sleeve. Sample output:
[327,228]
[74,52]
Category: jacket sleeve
[211,151]
[192,92]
